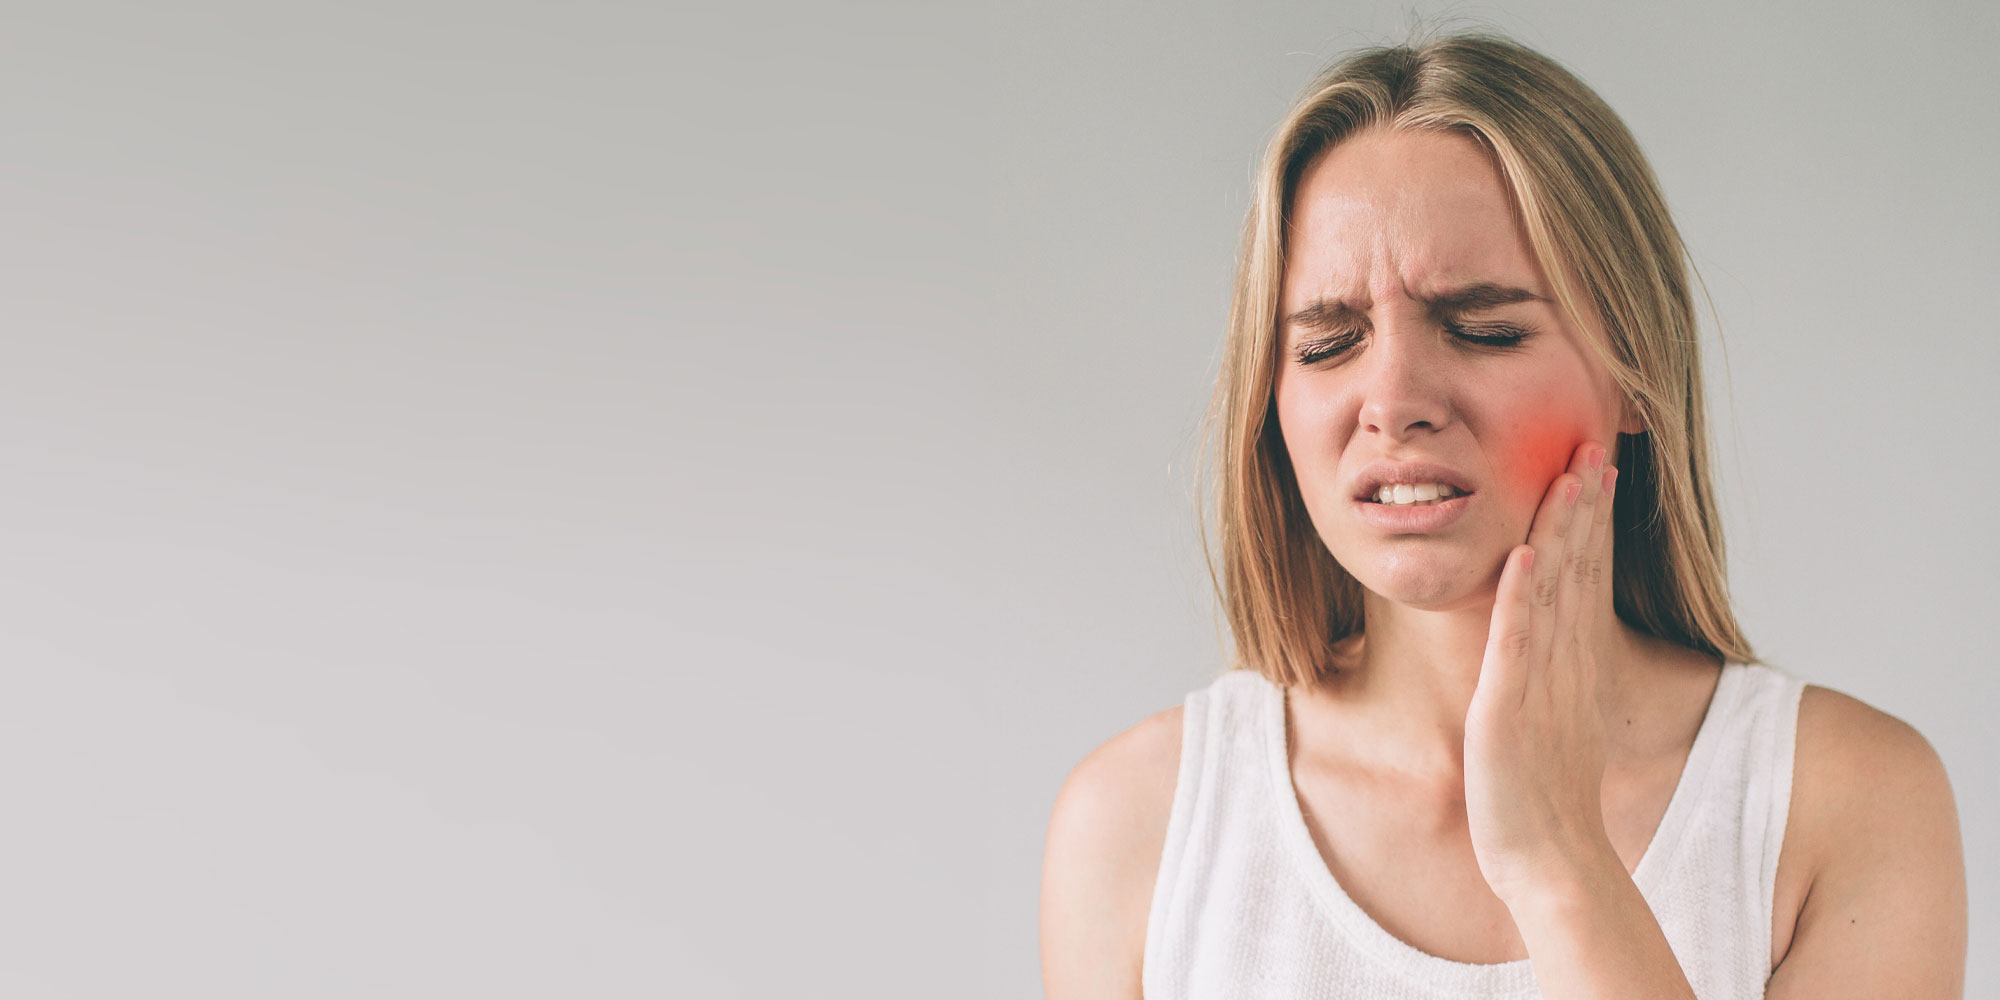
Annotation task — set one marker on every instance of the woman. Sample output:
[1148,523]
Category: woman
[1493,729]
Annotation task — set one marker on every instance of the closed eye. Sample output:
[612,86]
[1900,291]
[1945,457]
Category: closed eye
[1499,336]
[1320,350]
[1492,335]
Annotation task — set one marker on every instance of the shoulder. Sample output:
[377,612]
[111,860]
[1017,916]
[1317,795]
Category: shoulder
[1106,835]
[1873,834]
[1863,771]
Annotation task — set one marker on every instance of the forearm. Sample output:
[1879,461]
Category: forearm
[1594,938]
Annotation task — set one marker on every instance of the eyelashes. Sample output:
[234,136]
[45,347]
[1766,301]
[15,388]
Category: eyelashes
[1494,336]
[1320,350]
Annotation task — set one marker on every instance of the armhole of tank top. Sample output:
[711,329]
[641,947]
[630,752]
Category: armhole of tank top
[1784,747]
[1194,731]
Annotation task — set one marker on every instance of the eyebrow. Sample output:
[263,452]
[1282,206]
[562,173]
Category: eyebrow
[1325,314]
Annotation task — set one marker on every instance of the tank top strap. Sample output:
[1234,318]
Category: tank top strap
[1219,816]
[1711,875]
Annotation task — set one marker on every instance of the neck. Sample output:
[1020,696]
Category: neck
[1403,686]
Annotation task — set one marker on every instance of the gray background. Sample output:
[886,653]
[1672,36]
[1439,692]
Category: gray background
[617,501]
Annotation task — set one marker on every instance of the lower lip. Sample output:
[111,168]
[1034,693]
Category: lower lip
[1414,517]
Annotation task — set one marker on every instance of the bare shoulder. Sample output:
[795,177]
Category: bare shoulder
[1860,771]
[1877,866]
[1106,835]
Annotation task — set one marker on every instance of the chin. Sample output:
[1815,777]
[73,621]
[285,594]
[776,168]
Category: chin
[1428,582]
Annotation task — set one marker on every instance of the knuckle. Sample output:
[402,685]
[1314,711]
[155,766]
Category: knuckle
[1517,642]
[1545,590]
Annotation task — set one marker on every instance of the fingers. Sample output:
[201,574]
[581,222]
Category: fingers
[1595,578]
[1596,592]
[1549,587]
[1551,535]
[1583,563]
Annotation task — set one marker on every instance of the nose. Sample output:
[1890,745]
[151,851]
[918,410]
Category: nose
[1403,386]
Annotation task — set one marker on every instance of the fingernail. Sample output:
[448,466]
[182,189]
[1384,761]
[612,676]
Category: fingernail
[1569,495]
[1610,478]
[1596,459]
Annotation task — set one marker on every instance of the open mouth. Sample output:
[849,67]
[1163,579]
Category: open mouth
[1415,495]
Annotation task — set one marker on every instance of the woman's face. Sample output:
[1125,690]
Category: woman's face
[1404,249]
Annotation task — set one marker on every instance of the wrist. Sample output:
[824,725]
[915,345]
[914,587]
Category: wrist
[1569,890]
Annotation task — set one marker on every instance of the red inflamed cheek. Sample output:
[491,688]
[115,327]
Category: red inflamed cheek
[1540,454]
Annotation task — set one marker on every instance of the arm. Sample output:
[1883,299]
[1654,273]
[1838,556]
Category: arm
[1106,835]
[1535,754]
[1886,911]
[1597,938]
[1872,812]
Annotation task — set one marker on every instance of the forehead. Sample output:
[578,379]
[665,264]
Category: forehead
[1412,213]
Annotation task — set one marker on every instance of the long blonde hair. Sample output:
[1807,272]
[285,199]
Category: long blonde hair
[1591,202]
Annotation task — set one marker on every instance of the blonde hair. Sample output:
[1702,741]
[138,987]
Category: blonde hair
[1589,201]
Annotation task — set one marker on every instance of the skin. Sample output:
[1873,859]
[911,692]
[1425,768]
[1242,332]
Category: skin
[1379,221]
[1459,687]
[1496,750]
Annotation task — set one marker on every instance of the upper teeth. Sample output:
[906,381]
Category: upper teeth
[1413,492]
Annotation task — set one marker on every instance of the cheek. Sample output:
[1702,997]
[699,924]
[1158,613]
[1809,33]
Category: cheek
[1537,453]
[1304,419]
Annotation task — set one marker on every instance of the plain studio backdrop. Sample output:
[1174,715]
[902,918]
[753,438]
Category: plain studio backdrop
[610,500]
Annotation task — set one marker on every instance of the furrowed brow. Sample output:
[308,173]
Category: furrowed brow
[1327,314]
[1480,295]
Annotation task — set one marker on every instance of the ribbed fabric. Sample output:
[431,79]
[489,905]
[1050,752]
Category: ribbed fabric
[1245,907]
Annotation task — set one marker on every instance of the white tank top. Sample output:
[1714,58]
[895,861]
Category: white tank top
[1244,906]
